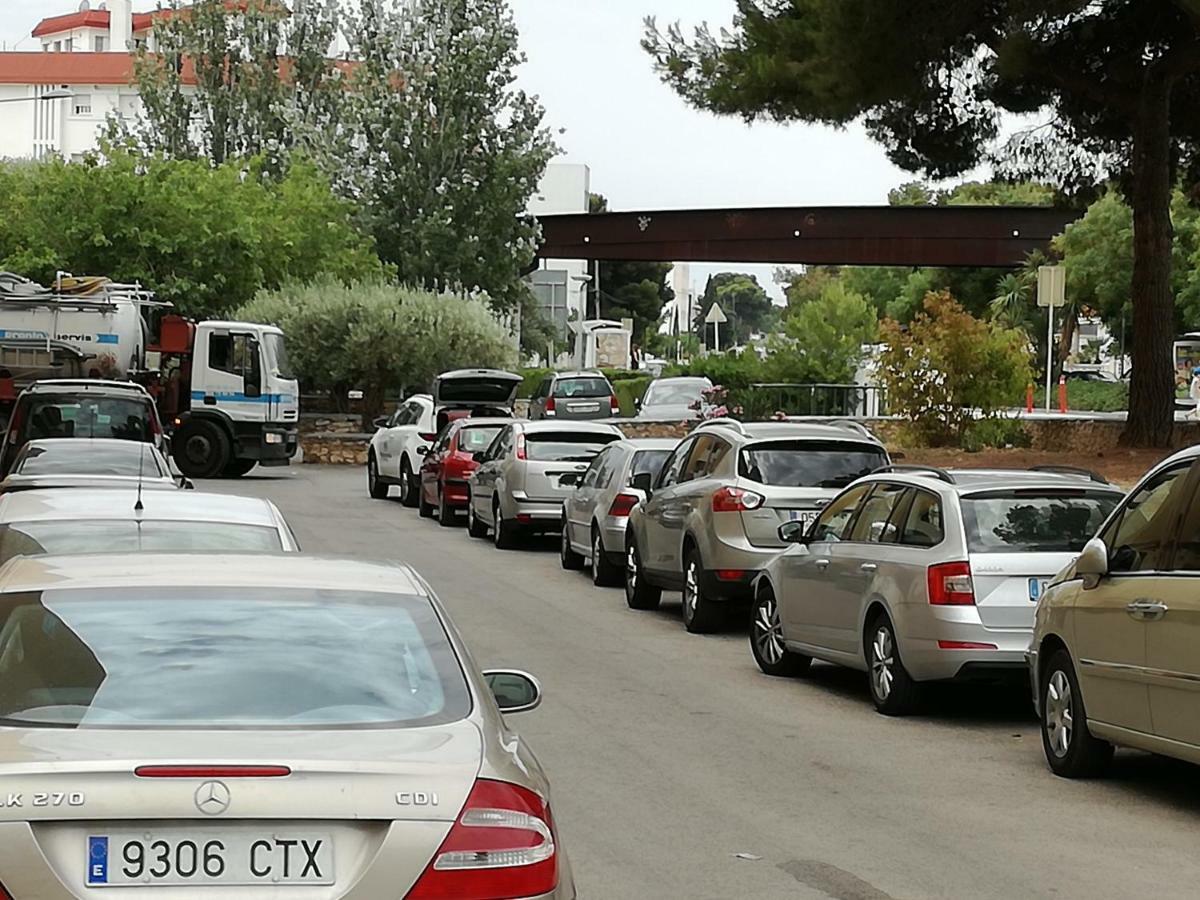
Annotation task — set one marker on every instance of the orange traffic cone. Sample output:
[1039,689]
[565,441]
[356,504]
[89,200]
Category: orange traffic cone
[1062,393]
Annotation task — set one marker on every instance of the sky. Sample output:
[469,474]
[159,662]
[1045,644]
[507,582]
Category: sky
[646,148]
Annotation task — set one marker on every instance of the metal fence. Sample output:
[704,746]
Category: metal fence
[760,401]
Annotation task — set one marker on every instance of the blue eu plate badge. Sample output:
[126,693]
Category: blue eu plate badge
[97,860]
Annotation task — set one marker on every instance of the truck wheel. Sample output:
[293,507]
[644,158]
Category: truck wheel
[200,448]
[238,467]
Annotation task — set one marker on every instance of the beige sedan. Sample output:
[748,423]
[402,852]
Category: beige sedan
[1114,657]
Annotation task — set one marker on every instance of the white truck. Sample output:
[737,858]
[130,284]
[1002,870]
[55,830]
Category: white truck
[224,389]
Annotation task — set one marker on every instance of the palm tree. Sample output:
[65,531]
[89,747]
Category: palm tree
[1010,307]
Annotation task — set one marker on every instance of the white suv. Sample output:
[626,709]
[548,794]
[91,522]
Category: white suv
[397,448]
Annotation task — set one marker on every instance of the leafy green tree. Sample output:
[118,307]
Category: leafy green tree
[224,84]
[1012,306]
[801,287]
[912,193]
[378,337]
[743,300]
[830,331]
[439,149]
[1117,83]
[206,238]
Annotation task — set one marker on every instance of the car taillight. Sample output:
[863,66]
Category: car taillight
[212,771]
[425,436]
[950,585]
[614,404]
[521,446]
[623,504]
[501,846]
[549,405]
[729,499]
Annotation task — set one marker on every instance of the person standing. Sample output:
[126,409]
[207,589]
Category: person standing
[1194,392]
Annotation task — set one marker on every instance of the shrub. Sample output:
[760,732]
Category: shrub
[1088,396]
[996,432]
[948,367]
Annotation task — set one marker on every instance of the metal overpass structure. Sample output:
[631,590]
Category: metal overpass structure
[942,236]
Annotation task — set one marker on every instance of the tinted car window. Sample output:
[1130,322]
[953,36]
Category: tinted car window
[55,416]
[592,476]
[833,522]
[225,658]
[923,527]
[874,522]
[1140,538]
[89,458]
[824,464]
[1034,521]
[581,387]
[116,536]
[477,437]
[565,446]
[647,462]
[706,456]
[672,468]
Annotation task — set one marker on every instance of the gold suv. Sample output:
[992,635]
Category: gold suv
[1115,657]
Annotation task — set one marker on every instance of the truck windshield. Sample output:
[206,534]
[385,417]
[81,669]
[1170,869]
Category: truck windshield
[277,357]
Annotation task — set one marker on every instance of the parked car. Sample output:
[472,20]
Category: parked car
[526,472]
[85,408]
[246,725]
[450,461]
[394,456]
[916,575]
[596,512]
[710,521]
[1114,658]
[574,395]
[103,462]
[116,520]
[674,399]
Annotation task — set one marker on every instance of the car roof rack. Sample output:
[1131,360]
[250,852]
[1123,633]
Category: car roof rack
[1072,470]
[722,423]
[940,474]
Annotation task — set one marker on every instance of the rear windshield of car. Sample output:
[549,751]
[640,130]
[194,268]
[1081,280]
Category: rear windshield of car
[565,446]
[648,462]
[477,437]
[253,658]
[90,458]
[1036,521]
[812,464]
[51,416]
[475,390]
[57,536]
[582,387]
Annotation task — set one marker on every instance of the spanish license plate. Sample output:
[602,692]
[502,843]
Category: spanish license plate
[203,857]
[1037,587]
[807,516]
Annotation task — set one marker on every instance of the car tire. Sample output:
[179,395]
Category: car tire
[604,573]
[424,510]
[410,486]
[446,515]
[475,528]
[503,533]
[376,487]
[566,553]
[200,449]
[236,468]
[639,593]
[701,614]
[766,640]
[1071,750]
[893,690]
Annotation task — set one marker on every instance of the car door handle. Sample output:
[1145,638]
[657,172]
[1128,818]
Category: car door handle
[822,564]
[1147,610]
[868,567]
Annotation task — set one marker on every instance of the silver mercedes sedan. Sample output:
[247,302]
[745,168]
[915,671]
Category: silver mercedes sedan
[250,726]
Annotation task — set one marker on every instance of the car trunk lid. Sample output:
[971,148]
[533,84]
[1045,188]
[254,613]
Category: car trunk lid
[1008,585]
[781,505]
[473,388]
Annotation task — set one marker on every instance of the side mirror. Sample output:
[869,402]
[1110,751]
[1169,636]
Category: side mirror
[793,532]
[1092,564]
[381,422]
[515,691]
[643,482]
[422,451]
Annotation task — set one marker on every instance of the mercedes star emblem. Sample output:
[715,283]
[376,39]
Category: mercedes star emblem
[212,798]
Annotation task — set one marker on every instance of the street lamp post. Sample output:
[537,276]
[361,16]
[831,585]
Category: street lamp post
[56,94]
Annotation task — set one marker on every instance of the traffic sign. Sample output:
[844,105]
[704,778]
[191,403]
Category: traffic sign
[1052,286]
[716,315]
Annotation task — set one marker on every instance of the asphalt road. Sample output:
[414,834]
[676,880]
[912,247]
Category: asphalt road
[680,771]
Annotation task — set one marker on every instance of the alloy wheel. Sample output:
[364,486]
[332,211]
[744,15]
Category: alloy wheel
[691,589]
[631,567]
[768,632]
[882,660]
[597,549]
[1060,714]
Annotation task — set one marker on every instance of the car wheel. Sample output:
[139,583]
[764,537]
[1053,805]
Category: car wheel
[475,528]
[1071,750]
[503,533]
[566,553]
[408,489]
[701,614]
[375,487]
[424,510]
[766,640]
[892,689]
[200,449]
[639,593]
[604,573]
[446,516]
[236,468]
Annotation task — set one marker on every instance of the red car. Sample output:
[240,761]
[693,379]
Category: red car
[448,463]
